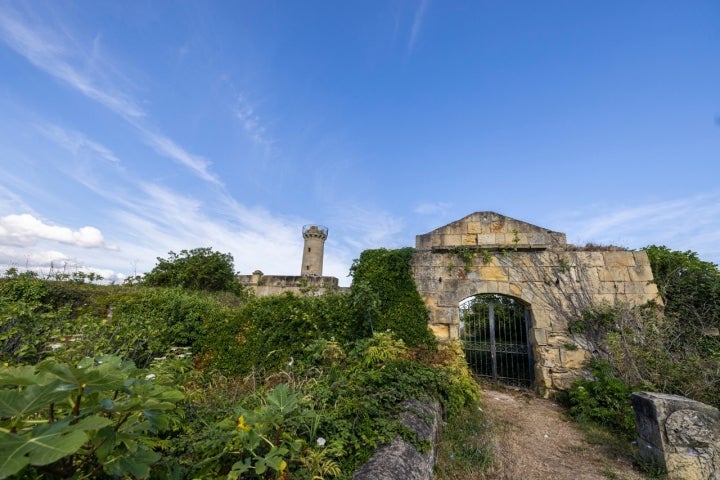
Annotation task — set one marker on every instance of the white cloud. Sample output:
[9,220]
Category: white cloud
[26,230]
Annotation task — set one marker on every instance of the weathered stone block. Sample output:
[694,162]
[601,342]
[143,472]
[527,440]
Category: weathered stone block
[474,227]
[451,240]
[573,359]
[619,259]
[641,258]
[493,273]
[613,274]
[562,378]
[469,239]
[640,273]
[679,434]
[538,337]
[550,357]
[441,331]
[486,239]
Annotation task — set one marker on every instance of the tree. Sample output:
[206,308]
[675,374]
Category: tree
[196,269]
[689,287]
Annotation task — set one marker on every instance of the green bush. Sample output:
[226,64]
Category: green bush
[603,399]
[267,333]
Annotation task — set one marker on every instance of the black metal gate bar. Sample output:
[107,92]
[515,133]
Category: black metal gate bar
[493,346]
[494,332]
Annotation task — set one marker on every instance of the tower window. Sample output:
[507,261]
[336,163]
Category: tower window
[309,249]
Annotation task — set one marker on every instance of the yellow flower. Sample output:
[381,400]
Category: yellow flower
[242,425]
[283,465]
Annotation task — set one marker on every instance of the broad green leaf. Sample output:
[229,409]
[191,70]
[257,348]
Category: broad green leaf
[93,422]
[20,376]
[105,376]
[41,447]
[136,464]
[32,399]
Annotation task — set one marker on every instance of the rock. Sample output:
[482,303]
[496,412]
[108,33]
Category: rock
[401,460]
[678,434]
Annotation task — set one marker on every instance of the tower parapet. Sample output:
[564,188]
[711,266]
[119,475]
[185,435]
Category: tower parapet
[313,250]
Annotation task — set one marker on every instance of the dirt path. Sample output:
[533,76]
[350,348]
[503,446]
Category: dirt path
[536,441]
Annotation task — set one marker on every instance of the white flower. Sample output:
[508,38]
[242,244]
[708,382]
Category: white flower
[149,376]
[321,441]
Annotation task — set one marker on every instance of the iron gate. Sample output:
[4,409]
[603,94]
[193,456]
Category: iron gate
[494,333]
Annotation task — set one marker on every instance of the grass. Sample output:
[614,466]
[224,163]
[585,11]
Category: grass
[619,446]
[466,448]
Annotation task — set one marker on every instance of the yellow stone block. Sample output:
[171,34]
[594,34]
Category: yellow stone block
[619,259]
[474,227]
[493,273]
[442,332]
[469,239]
[573,358]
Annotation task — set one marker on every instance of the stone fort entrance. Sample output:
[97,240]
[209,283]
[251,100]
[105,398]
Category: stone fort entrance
[498,257]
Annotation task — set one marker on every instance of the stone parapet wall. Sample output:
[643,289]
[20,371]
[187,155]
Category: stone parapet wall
[556,282]
[266,285]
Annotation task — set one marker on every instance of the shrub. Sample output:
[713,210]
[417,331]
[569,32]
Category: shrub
[267,333]
[603,399]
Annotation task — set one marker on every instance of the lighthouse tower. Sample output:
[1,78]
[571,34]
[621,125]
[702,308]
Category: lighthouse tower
[313,250]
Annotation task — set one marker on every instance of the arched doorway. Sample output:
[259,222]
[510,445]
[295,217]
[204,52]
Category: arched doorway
[494,332]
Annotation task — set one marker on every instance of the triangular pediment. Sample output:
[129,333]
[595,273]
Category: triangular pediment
[492,231]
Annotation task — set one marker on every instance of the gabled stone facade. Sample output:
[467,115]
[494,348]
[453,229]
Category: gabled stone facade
[488,253]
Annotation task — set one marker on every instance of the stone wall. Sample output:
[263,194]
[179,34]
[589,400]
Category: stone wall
[266,285]
[679,435]
[488,253]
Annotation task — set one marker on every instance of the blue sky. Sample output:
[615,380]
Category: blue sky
[129,129]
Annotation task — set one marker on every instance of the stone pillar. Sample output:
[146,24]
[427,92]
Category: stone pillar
[313,250]
[678,434]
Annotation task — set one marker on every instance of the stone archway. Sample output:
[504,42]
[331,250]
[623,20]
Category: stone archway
[488,253]
[494,331]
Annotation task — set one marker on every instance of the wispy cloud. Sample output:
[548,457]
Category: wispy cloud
[417,24]
[48,50]
[76,142]
[682,224]
[432,208]
[251,123]
[367,227]
[168,148]
[53,51]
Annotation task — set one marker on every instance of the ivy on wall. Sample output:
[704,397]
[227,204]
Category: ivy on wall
[383,286]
